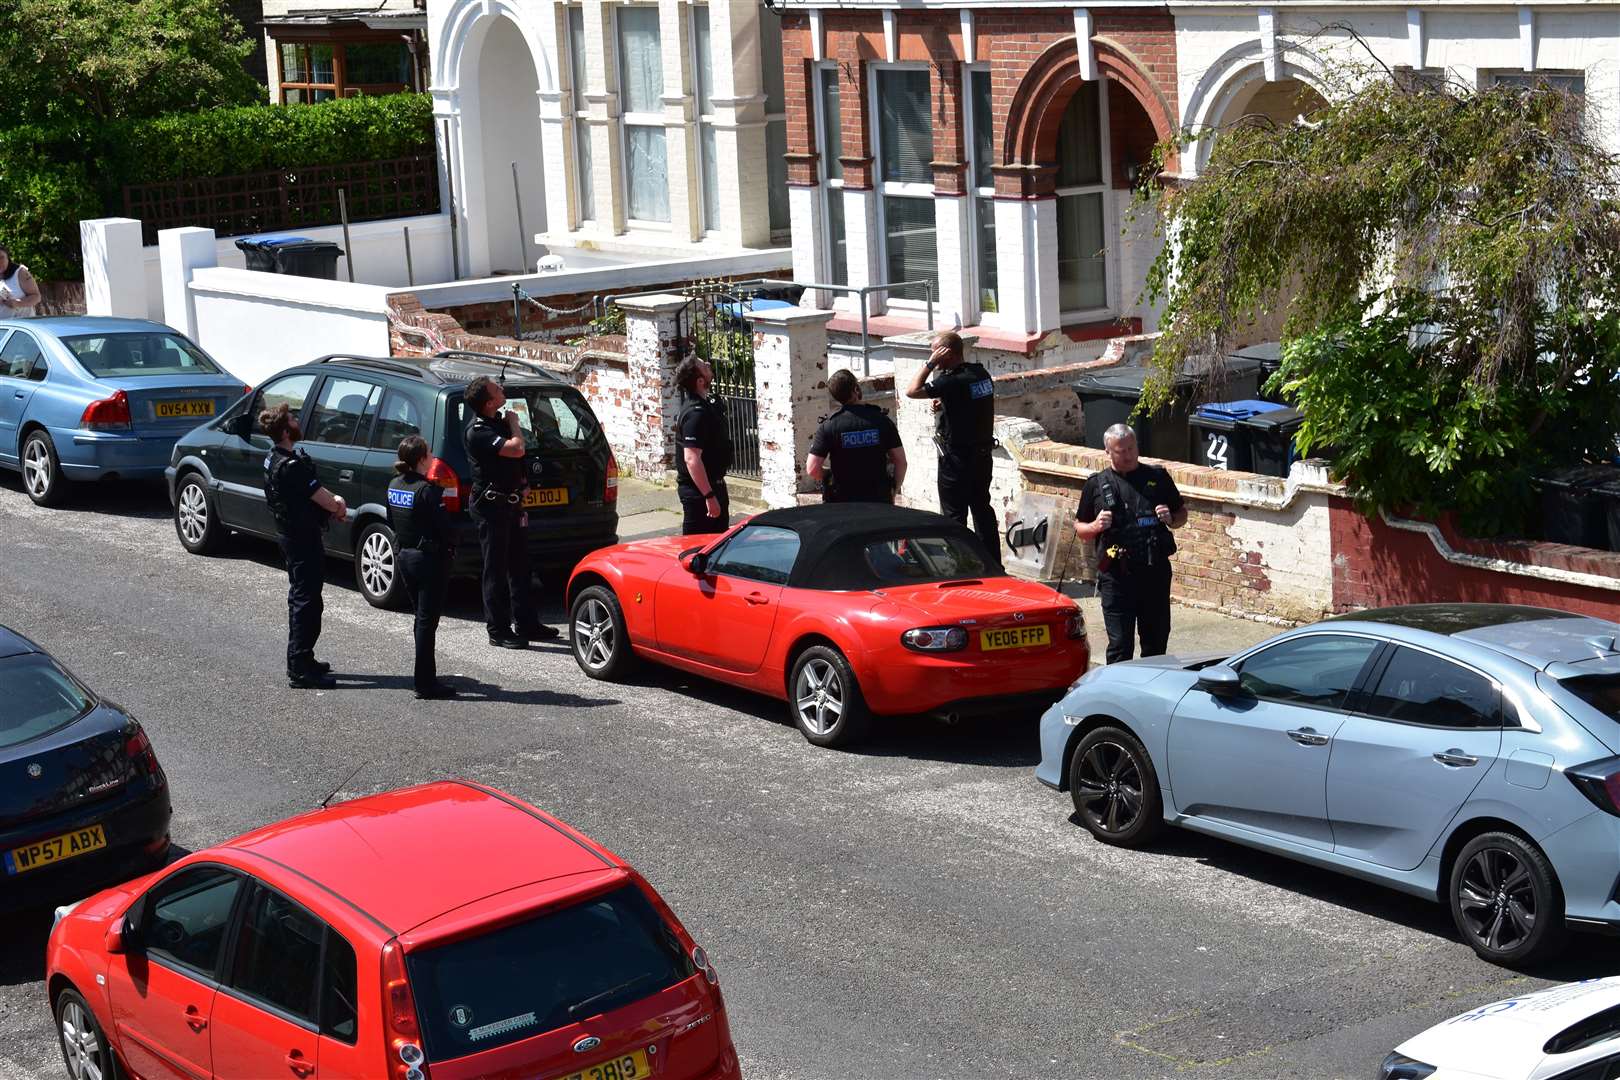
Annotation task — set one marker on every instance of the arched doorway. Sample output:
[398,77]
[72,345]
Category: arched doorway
[508,130]
[1281,102]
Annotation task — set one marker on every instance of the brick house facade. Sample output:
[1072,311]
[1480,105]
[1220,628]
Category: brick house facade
[1034,122]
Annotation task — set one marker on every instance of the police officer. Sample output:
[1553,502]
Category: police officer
[1129,509]
[421,527]
[496,447]
[964,434]
[302,508]
[860,442]
[704,443]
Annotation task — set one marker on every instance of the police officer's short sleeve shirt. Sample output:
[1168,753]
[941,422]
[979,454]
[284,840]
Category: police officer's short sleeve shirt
[483,439]
[967,415]
[702,427]
[1143,488]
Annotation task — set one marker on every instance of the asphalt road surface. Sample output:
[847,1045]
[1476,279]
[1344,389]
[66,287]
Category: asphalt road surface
[919,908]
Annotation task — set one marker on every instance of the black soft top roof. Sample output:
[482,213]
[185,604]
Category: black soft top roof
[831,534]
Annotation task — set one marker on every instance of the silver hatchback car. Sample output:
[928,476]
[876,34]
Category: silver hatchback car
[1466,753]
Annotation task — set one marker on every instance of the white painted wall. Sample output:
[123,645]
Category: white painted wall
[257,324]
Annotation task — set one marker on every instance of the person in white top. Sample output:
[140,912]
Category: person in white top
[19,292]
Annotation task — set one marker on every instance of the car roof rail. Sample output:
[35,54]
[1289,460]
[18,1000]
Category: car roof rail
[499,361]
[398,366]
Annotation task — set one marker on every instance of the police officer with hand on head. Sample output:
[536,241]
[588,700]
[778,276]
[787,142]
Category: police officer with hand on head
[703,455]
[496,447]
[421,527]
[860,442]
[964,433]
[302,509]
[1129,509]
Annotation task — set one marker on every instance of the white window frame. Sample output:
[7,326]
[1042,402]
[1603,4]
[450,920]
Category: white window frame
[704,120]
[579,111]
[976,194]
[628,120]
[1104,187]
[831,187]
[908,189]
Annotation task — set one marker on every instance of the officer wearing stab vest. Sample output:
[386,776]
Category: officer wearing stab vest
[1129,509]
[965,422]
[421,527]
[854,448]
[301,508]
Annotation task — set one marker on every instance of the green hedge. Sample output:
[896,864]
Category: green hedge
[52,177]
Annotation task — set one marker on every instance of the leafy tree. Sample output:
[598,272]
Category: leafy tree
[97,60]
[1449,261]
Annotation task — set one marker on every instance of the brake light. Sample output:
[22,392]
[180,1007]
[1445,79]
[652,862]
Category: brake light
[935,639]
[108,414]
[610,487]
[404,1036]
[700,960]
[442,474]
[138,748]
[1077,624]
[1599,781]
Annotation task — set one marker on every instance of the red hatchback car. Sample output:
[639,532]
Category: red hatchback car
[846,610]
[446,931]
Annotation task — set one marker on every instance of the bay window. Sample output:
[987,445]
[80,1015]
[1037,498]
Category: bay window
[906,176]
[1082,212]
[641,95]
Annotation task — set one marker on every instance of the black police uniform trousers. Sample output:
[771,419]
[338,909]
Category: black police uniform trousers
[1136,600]
[508,587]
[305,556]
[964,489]
[426,574]
[695,510]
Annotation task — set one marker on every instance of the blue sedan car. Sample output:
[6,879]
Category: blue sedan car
[89,398]
[1465,753]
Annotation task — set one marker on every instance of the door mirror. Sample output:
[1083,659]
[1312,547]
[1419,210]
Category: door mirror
[241,426]
[1219,679]
[695,561]
[122,937]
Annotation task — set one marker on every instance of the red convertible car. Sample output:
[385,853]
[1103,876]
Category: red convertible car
[845,610]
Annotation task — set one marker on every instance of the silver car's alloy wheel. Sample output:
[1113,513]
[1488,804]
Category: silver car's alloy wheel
[818,695]
[1498,899]
[193,513]
[377,564]
[1109,787]
[37,468]
[80,1044]
[594,640]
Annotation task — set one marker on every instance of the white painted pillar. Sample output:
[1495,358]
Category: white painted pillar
[790,385]
[809,252]
[680,130]
[180,253]
[863,250]
[1026,265]
[654,347]
[954,243]
[114,267]
[738,99]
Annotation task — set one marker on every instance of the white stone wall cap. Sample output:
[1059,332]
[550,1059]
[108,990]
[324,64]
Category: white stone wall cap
[1501,566]
[1260,492]
[288,288]
[656,304]
[789,315]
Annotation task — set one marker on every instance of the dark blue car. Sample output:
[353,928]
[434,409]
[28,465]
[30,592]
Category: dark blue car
[83,800]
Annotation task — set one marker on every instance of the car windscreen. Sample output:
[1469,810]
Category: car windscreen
[39,697]
[115,355]
[1602,692]
[913,560]
[551,419]
[531,977]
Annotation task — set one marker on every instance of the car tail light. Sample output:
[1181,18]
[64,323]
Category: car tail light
[700,960]
[108,414]
[610,487]
[935,639]
[1600,782]
[1077,624]
[138,748]
[442,474]
[404,1035]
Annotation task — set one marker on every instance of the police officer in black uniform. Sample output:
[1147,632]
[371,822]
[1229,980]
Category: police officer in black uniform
[703,443]
[1129,509]
[301,508]
[496,447]
[859,442]
[421,527]
[964,433]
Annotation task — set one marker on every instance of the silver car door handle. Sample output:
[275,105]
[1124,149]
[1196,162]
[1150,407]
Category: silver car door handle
[1307,737]
[1456,758]
[346,474]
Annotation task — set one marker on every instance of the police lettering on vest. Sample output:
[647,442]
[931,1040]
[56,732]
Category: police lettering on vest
[1137,537]
[856,441]
[416,513]
[967,414]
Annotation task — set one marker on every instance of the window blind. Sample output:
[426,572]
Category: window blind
[703,46]
[648,173]
[906,132]
[1080,140]
[983,130]
[1082,268]
[832,123]
[912,243]
[641,60]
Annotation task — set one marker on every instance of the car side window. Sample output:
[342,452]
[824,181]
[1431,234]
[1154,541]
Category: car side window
[278,955]
[187,916]
[344,403]
[340,989]
[40,369]
[1420,688]
[1318,669]
[759,553]
[291,391]
[18,355]
[400,416]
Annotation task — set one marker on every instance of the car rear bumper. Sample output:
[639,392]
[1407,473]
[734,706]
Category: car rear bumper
[91,455]
[968,684]
[137,827]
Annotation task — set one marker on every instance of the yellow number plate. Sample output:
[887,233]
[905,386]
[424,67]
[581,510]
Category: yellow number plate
[1014,637]
[545,497]
[171,410]
[627,1067]
[45,852]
